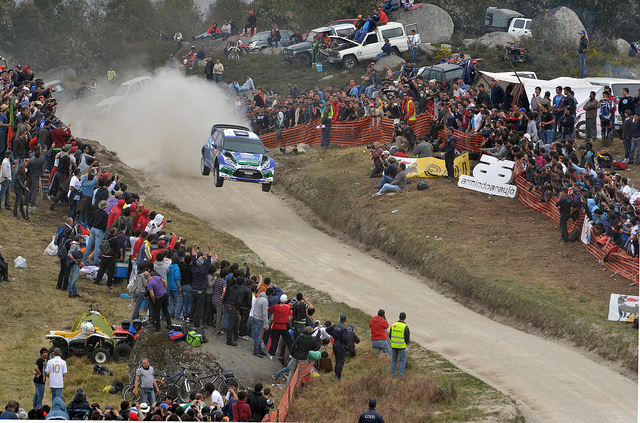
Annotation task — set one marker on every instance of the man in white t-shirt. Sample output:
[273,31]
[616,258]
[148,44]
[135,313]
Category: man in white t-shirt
[415,41]
[56,371]
[74,194]
[216,399]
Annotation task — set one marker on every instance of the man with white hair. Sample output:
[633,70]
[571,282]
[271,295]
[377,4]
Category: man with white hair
[280,326]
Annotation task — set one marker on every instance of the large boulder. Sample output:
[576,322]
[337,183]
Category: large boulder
[63,73]
[394,62]
[434,24]
[497,40]
[469,42]
[427,50]
[558,27]
[621,47]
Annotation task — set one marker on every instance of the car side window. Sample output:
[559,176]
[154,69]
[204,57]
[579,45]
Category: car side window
[217,140]
[371,38]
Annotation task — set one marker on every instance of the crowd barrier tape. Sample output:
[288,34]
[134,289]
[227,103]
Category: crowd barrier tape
[280,413]
[619,261]
[361,132]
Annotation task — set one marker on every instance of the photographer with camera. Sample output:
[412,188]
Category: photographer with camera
[403,136]
[378,162]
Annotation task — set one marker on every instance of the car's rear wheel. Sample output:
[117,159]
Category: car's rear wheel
[395,52]
[204,169]
[217,180]
[266,187]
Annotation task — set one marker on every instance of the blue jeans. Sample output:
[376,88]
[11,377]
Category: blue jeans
[369,90]
[5,191]
[175,304]
[389,187]
[548,136]
[556,119]
[56,392]
[281,372]
[627,147]
[147,396]
[205,35]
[381,345]
[217,78]
[583,65]
[39,395]
[402,354]
[95,238]
[136,308]
[187,300]
[73,279]
[635,150]
[384,180]
[380,56]
[256,331]
[414,54]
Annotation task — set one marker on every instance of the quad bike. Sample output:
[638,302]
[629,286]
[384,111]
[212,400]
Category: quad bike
[516,54]
[124,339]
[88,340]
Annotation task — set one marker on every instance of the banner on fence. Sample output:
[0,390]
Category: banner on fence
[623,308]
[431,167]
[491,176]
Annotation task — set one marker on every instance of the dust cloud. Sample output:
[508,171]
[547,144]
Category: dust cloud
[162,128]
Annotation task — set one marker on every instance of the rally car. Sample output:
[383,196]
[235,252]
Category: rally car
[235,153]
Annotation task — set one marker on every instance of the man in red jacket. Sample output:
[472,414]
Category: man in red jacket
[378,325]
[280,325]
[241,410]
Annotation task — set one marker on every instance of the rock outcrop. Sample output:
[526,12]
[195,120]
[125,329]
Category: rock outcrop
[558,27]
[497,40]
[394,62]
[434,23]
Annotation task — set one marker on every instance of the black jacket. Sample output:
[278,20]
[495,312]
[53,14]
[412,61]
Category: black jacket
[100,219]
[303,344]
[234,295]
[78,407]
[258,404]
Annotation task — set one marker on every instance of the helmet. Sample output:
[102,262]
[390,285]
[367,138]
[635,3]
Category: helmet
[86,327]
[200,262]
[126,324]
[284,298]
[193,47]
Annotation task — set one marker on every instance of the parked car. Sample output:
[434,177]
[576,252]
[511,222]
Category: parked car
[350,52]
[259,41]
[443,72]
[235,153]
[302,53]
[126,89]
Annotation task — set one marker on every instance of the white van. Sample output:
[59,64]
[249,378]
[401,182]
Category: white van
[125,90]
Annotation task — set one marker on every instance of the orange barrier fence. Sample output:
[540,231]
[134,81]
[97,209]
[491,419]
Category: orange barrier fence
[360,132]
[280,413]
[619,261]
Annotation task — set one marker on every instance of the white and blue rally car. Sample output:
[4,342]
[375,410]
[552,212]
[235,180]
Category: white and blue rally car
[235,153]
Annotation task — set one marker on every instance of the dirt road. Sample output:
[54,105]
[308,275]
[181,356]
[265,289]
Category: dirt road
[553,382]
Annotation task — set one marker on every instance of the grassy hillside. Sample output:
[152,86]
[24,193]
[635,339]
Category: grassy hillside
[490,253]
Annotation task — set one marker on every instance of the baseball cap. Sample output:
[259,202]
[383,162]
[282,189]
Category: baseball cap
[582,32]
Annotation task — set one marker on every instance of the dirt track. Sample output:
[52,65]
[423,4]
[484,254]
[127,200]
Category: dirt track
[551,382]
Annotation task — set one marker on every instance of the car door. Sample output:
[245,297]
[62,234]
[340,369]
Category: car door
[370,47]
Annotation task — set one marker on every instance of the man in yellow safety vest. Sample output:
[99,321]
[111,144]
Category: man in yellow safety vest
[399,338]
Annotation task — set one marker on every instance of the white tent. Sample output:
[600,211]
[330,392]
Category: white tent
[580,87]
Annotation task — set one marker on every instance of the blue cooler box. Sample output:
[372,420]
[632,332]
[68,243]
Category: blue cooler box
[121,270]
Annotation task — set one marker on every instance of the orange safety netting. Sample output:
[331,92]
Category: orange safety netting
[280,413]
[619,261]
[360,132]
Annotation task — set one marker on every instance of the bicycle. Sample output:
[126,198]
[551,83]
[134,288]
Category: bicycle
[167,385]
[223,379]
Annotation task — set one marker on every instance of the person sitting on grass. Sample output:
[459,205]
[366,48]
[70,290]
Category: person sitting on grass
[399,182]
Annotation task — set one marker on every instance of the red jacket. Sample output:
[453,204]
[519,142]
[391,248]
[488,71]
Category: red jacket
[336,110]
[378,325]
[142,219]
[382,17]
[215,30]
[155,252]
[241,410]
[115,213]
[281,314]
[59,136]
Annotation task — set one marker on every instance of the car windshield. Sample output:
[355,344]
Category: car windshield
[244,145]
[262,36]
[454,73]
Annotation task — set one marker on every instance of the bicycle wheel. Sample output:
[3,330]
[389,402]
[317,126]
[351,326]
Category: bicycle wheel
[193,385]
[128,394]
[223,385]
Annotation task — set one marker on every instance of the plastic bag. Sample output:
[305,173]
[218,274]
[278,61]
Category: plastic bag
[52,248]
[20,262]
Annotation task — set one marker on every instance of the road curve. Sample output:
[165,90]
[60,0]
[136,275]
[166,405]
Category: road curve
[551,381]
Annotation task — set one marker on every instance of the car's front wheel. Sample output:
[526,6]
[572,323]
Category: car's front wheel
[204,169]
[266,187]
[217,180]
[349,62]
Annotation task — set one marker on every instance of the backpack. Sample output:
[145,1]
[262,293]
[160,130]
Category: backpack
[175,335]
[105,247]
[63,248]
[194,339]
[574,235]
[422,185]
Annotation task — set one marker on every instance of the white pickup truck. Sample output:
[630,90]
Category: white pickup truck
[349,52]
